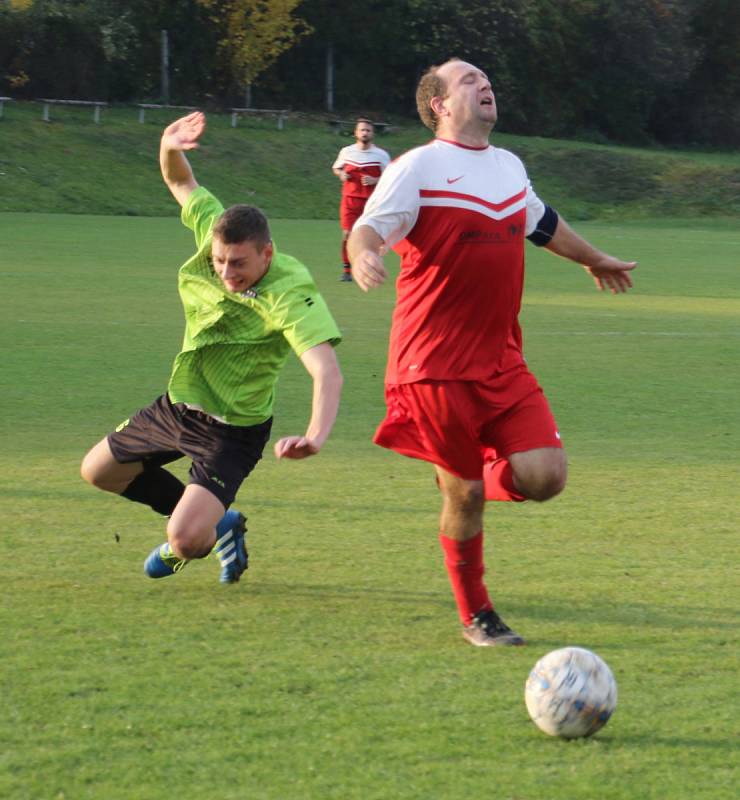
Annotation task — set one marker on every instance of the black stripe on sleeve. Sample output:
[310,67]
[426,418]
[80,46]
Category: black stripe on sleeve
[546,227]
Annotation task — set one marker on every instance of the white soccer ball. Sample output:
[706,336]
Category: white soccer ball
[570,693]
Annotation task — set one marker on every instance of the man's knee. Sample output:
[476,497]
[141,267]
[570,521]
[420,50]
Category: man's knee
[88,471]
[541,477]
[95,472]
[464,497]
[544,487]
[191,530]
[100,469]
[189,537]
[187,540]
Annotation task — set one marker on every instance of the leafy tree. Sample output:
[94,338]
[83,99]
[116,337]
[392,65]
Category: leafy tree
[374,70]
[105,49]
[626,52]
[629,70]
[55,52]
[129,33]
[711,100]
[13,73]
[489,33]
[254,33]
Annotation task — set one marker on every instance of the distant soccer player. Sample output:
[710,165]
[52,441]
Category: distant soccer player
[358,167]
[246,306]
[458,391]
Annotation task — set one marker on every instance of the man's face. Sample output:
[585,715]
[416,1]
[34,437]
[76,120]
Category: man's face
[240,265]
[469,95]
[364,133]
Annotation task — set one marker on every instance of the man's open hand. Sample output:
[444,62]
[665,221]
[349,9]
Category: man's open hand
[183,133]
[612,274]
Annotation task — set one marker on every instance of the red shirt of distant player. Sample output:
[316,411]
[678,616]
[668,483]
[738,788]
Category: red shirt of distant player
[458,217]
[357,163]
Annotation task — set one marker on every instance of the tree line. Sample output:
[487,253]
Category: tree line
[635,71]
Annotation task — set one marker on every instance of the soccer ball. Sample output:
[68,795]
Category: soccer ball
[570,693]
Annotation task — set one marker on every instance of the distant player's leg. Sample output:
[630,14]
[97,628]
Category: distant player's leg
[346,267]
[461,537]
[350,211]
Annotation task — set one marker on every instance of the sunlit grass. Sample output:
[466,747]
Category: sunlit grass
[336,668]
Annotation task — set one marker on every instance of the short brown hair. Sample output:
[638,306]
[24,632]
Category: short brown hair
[243,223]
[366,121]
[430,85]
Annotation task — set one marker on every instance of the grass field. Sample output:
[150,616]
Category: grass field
[336,668]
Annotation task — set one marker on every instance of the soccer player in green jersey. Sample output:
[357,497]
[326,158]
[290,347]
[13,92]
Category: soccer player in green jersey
[246,306]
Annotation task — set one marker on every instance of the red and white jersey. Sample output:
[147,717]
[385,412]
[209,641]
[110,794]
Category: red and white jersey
[357,162]
[457,216]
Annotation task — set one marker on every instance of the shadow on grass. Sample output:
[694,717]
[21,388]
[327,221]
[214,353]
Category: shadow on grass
[630,615]
[314,590]
[650,740]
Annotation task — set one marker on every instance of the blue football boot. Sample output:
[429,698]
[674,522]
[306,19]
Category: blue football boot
[162,562]
[230,546]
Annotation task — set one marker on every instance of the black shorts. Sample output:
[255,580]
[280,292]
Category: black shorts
[222,455]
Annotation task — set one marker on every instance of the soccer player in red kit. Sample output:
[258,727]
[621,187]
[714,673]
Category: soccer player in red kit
[458,391]
[359,167]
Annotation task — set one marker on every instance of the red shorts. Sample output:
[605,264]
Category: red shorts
[460,425]
[350,210]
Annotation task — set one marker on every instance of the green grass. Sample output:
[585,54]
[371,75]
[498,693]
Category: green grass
[70,164]
[336,669]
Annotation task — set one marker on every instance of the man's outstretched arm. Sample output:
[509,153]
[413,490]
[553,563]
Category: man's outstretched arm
[322,365]
[607,271]
[181,135]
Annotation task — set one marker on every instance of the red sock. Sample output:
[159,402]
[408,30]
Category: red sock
[345,256]
[498,481]
[464,562]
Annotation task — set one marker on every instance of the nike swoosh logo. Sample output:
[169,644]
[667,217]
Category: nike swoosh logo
[454,180]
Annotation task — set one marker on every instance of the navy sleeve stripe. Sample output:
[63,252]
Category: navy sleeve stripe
[546,227]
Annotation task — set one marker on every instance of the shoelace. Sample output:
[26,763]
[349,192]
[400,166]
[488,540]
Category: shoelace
[172,561]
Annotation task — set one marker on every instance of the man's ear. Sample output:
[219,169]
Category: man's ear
[437,104]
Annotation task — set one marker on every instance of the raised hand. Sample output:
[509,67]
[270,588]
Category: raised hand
[183,133]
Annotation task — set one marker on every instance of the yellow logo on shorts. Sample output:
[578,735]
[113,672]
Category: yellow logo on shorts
[123,425]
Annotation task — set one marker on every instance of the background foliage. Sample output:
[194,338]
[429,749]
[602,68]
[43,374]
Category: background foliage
[625,70]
